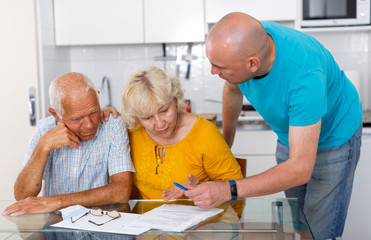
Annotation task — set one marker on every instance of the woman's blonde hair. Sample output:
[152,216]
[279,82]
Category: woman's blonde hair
[144,90]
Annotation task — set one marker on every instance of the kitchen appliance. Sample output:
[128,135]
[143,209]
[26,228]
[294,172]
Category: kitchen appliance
[330,13]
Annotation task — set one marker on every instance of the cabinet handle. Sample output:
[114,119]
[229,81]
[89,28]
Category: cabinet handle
[32,105]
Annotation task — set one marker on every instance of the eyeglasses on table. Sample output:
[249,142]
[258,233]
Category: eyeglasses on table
[99,212]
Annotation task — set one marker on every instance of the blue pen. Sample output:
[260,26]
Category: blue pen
[180,186]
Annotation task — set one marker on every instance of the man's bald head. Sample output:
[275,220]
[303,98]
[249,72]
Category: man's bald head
[239,34]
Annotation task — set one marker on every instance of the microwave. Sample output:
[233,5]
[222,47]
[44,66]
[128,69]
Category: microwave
[331,13]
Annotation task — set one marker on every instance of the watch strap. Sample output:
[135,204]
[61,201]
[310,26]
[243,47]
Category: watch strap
[233,186]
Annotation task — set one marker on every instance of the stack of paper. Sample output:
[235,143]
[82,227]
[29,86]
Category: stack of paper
[173,217]
[168,217]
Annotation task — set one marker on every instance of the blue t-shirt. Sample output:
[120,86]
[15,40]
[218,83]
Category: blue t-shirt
[305,85]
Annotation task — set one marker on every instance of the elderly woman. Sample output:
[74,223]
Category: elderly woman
[167,143]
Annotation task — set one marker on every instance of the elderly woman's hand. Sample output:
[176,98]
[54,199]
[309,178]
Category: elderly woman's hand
[106,111]
[175,192]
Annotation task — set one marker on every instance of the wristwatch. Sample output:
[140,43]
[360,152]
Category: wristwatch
[233,185]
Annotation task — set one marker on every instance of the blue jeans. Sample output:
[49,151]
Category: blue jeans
[325,197]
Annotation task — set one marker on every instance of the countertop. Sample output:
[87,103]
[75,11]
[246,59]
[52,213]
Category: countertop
[248,121]
[367,118]
[252,121]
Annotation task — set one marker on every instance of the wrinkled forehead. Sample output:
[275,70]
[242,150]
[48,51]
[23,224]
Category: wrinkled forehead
[77,94]
[78,100]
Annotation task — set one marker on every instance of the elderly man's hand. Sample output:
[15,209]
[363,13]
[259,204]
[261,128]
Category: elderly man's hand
[106,111]
[31,205]
[209,194]
[175,192]
[58,137]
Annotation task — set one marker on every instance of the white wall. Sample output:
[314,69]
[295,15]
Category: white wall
[53,61]
[351,50]
[117,62]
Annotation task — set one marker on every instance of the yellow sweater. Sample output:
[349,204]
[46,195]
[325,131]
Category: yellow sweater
[203,153]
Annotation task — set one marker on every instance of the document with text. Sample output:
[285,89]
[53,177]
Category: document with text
[173,217]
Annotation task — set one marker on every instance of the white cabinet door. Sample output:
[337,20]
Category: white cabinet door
[18,69]
[254,143]
[173,21]
[257,164]
[358,223]
[259,148]
[282,10]
[84,22]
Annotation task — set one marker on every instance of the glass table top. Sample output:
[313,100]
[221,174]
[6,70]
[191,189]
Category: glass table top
[250,218]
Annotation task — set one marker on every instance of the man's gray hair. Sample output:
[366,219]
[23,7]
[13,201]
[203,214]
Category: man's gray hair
[68,83]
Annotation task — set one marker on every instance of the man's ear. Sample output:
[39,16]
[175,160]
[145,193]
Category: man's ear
[253,63]
[55,115]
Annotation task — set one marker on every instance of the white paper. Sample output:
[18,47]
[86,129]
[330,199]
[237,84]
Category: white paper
[74,211]
[120,225]
[174,217]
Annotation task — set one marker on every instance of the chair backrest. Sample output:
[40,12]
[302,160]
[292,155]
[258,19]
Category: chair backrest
[242,163]
[135,194]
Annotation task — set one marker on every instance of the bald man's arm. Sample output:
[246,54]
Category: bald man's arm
[232,104]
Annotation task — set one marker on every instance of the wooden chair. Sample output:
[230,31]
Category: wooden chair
[135,194]
[242,163]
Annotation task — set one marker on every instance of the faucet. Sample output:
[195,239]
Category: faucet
[106,80]
[188,59]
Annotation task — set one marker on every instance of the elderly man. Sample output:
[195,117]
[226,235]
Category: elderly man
[298,88]
[81,160]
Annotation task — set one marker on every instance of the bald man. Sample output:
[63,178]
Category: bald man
[82,161]
[300,91]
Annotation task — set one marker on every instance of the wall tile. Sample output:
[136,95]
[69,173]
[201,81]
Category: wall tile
[81,53]
[52,69]
[111,52]
[136,51]
[351,51]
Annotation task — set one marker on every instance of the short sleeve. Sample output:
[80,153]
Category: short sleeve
[42,127]
[119,152]
[307,99]
[219,162]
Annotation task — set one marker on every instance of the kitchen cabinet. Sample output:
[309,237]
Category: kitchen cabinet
[94,22]
[90,22]
[251,142]
[358,223]
[259,148]
[283,10]
[173,21]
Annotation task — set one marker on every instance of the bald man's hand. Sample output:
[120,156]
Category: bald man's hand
[209,194]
